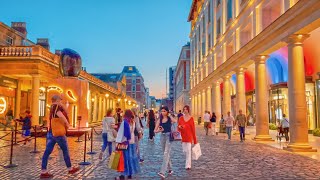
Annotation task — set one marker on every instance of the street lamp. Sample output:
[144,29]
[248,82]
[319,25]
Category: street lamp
[107,95]
[119,100]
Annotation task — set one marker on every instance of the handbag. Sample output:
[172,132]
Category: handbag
[175,135]
[196,152]
[57,125]
[122,146]
[114,160]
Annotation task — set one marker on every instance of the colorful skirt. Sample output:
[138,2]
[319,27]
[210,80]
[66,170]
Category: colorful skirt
[131,161]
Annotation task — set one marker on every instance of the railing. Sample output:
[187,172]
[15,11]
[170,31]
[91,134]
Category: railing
[29,51]
[16,51]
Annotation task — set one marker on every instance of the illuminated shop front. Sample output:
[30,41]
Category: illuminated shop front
[7,96]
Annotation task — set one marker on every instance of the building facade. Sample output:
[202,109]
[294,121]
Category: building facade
[135,85]
[30,76]
[260,57]
[181,80]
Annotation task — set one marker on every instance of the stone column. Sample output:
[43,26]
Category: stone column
[199,105]
[100,109]
[204,101]
[192,104]
[226,95]
[104,106]
[35,99]
[297,96]
[216,94]
[209,103]
[261,93]
[195,107]
[240,88]
[95,108]
[18,100]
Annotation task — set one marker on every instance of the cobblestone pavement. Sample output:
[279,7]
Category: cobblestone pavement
[221,159]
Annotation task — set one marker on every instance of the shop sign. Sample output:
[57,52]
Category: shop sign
[8,82]
[3,105]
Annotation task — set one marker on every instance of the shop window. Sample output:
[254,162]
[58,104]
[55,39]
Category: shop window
[218,2]
[209,13]
[218,27]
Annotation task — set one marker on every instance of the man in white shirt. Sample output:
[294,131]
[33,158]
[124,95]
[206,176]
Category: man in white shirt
[285,126]
[229,120]
[206,119]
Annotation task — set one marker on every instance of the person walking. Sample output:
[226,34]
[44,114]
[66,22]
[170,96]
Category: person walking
[206,119]
[9,118]
[163,126]
[187,128]
[229,121]
[285,126]
[213,121]
[241,122]
[26,126]
[57,110]
[151,124]
[108,132]
[125,136]
[138,132]
[179,114]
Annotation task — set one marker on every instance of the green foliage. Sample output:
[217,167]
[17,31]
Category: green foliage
[316,132]
[273,126]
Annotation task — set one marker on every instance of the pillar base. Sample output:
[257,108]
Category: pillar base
[263,138]
[299,147]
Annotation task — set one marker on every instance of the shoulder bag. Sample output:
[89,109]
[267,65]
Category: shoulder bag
[58,126]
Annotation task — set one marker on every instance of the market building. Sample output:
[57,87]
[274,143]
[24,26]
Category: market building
[261,57]
[30,76]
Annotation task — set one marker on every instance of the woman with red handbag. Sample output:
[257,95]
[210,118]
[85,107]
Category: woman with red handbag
[126,143]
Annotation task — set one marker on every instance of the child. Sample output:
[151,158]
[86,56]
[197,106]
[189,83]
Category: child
[26,126]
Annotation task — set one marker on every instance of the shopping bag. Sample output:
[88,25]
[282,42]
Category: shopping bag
[210,125]
[121,163]
[114,160]
[196,152]
[175,135]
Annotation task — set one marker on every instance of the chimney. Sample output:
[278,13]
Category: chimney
[20,26]
[44,42]
[58,52]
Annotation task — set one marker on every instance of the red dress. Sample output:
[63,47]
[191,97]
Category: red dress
[188,133]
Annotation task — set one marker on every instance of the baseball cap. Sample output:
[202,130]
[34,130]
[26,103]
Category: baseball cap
[56,97]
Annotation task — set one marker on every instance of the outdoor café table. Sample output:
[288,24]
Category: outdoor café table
[85,131]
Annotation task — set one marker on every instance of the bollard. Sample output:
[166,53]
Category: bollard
[35,141]
[84,163]
[91,152]
[15,132]
[10,165]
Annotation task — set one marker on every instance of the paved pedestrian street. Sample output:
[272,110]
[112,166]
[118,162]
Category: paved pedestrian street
[221,159]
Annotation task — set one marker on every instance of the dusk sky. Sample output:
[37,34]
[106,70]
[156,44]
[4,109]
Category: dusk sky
[110,34]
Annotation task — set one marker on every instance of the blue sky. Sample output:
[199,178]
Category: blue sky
[109,34]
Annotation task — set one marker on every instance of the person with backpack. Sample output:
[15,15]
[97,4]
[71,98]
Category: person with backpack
[213,121]
[285,126]
[57,110]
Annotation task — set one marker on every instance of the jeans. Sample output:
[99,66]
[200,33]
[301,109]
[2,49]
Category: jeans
[51,142]
[137,142]
[206,127]
[242,133]
[187,150]
[166,148]
[229,129]
[286,133]
[106,143]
